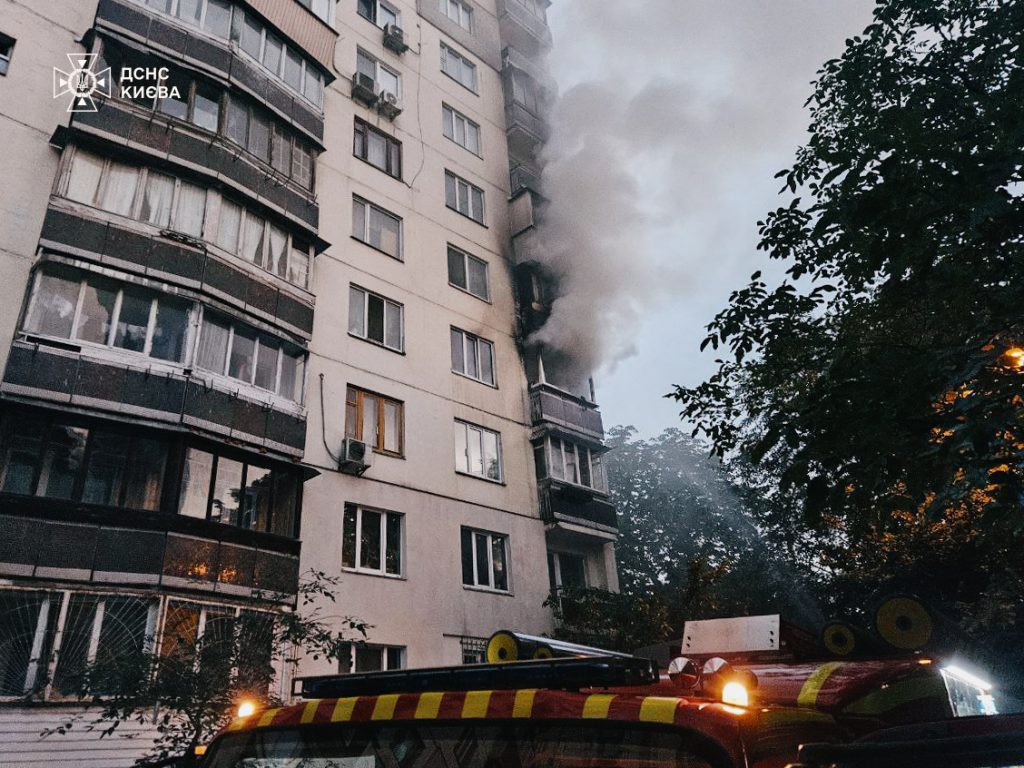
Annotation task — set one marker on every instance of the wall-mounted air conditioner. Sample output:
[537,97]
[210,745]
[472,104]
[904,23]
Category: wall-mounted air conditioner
[387,105]
[356,457]
[364,89]
[394,39]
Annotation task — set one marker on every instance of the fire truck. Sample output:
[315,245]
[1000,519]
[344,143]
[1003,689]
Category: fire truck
[738,698]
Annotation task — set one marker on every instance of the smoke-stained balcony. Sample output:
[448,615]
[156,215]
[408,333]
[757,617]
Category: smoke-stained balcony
[523,24]
[564,503]
[553,407]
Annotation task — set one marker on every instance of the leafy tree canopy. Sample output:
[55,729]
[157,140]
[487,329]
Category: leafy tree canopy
[879,383]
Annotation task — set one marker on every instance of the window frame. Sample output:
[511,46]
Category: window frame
[390,144]
[376,21]
[555,569]
[233,325]
[7,44]
[464,63]
[366,312]
[595,469]
[470,188]
[456,117]
[467,338]
[368,207]
[380,418]
[463,11]
[466,259]
[469,427]
[115,315]
[385,543]
[379,65]
[506,547]
[386,658]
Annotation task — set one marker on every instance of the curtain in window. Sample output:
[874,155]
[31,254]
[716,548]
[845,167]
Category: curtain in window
[53,308]
[213,346]
[97,312]
[191,210]
[84,181]
[119,191]
[157,199]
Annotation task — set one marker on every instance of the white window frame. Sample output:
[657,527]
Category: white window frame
[596,469]
[115,315]
[469,429]
[480,343]
[384,514]
[378,5]
[463,187]
[456,117]
[402,649]
[466,259]
[473,533]
[556,572]
[364,238]
[225,372]
[447,52]
[366,319]
[378,65]
[463,13]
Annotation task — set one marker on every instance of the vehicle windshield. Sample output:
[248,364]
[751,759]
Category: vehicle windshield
[476,745]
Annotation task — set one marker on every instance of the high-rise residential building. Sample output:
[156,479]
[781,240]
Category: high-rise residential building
[263,314]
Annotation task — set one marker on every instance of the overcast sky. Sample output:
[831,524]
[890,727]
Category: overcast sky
[691,106]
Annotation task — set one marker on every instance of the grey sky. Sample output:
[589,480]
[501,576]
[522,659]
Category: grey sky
[691,106]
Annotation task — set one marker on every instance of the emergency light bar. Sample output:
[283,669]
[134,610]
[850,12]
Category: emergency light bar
[567,674]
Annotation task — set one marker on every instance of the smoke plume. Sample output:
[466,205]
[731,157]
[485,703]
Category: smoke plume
[672,118]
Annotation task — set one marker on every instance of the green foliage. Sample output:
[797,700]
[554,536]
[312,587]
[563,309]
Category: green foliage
[190,687]
[869,390]
[689,548]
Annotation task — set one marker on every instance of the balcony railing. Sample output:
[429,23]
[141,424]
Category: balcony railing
[50,539]
[570,504]
[549,405]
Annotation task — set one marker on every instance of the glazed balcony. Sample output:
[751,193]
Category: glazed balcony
[553,407]
[579,507]
[523,28]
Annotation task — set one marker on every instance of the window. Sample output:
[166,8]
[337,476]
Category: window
[371,541]
[474,650]
[77,463]
[375,420]
[460,129]
[384,78]
[6,51]
[566,571]
[458,12]
[284,62]
[138,193]
[98,631]
[463,197]
[378,149]
[526,92]
[253,129]
[377,228]
[534,7]
[468,273]
[378,12]
[484,560]
[458,67]
[242,353]
[170,203]
[322,9]
[472,356]
[477,451]
[371,658]
[376,319]
[103,312]
[254,496]
[574,463]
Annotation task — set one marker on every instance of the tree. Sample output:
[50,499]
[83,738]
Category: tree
[878,386]
[688,548]
[191,686]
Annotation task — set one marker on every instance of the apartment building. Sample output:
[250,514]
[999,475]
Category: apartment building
[263,313]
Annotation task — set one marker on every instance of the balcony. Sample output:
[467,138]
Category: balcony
[526,132]
[524,176]
[58,540]
[550,406]
[521,28]
[564,503]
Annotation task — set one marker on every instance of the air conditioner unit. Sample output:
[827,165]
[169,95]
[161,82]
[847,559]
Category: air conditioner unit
[387,105]
[394,39]
[364,89]
[356,457]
